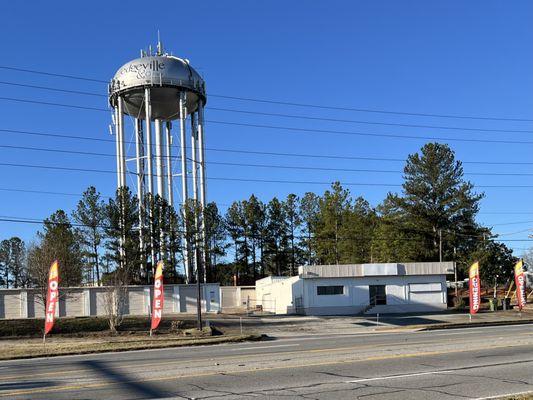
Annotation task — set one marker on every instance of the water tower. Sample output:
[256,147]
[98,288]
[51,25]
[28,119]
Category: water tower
[155,90]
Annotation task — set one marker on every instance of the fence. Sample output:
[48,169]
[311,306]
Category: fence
[266,306]
[90,301]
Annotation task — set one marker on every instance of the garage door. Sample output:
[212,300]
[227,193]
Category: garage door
[423,293]
[187,299]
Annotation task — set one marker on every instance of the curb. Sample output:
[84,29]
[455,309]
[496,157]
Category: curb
[476,324]
[148,346]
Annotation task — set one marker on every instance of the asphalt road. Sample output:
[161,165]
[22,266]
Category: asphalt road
[465,363]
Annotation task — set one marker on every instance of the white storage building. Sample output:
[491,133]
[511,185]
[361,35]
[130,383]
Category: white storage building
[357,288]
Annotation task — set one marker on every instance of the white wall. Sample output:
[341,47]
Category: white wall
[278,295]
[404,294]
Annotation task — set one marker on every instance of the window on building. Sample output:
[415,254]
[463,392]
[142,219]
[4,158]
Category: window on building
[377,295]
[329,290]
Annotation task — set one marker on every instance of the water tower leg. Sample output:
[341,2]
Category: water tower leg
[139,152]
[117,141]
[148,117]
[194,163]
[120,131]
[160,172]
[148,126]
[159,159]
[120,124]
[170,186]
[203,201]
[184,197]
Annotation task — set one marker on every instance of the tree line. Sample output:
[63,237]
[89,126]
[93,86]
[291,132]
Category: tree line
[432,219]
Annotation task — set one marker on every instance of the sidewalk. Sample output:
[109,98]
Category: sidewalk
[283,326]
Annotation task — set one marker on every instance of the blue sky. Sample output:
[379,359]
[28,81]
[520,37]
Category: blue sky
[435,57]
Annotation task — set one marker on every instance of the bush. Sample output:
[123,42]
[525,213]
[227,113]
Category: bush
[458,303]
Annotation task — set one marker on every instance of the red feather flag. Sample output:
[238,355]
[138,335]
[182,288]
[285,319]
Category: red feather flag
[52,297]
[474,288]
[157,306]
[520,282]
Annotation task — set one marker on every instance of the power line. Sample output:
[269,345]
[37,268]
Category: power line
[232,179]
[32,71]
[287,116]
[32,191]
[295,129]
[276,166]
[296,167]
[46,103]
[52,89]
[352,133]
[307,117]
[287,103]
[513,223]
[256,152]
[319,238]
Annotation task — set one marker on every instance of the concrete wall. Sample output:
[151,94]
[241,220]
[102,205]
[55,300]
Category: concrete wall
[90,301]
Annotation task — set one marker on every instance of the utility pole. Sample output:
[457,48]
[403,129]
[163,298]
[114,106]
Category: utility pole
[455,269]
[440,245]
[198,289]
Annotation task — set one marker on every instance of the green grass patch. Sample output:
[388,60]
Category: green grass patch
[33,327]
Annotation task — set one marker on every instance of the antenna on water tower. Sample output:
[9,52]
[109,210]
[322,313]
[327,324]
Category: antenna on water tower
[159,45]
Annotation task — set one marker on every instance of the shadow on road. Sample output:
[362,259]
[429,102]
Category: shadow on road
[400,321]
[141,390]
[25,385]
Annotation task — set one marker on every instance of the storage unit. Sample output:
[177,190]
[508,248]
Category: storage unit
[357,288]
[93,300]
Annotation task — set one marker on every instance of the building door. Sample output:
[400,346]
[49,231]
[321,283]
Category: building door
[377,295]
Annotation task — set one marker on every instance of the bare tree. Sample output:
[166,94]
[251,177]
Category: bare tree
[115,299]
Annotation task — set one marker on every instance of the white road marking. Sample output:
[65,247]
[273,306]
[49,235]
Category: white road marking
[498,396]
[265,347]
[383,378]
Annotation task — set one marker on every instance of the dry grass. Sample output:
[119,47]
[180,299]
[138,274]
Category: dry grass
[56,346]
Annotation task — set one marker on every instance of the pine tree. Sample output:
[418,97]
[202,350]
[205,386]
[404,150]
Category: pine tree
[334,207]
[59,241]
[394,240]
[12,263]
[122,232]
[216,239]
[190,214]
[235,221]
[291,206]
[175,242]
[90,213]
[356,233]
[438,201]
[309,209]
[254,220]
[276,240]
